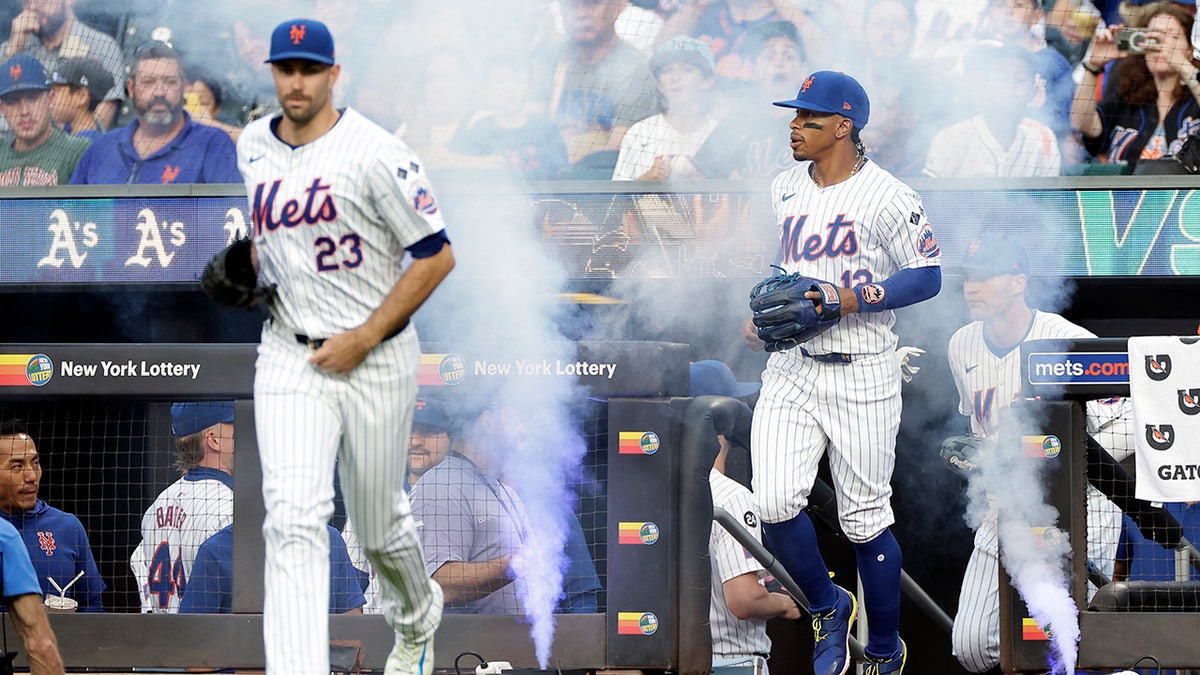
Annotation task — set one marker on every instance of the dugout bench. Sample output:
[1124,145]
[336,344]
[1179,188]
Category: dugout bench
[1124,623]
[657,572]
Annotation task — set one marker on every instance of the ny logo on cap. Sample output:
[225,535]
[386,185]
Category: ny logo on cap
[297,34]
[14,71]
[807,83]
[846,105]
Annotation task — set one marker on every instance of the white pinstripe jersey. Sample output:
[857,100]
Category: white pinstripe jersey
[988,380]
[332,218]
[860,231]
[182,517]
[732,636]
[969,150]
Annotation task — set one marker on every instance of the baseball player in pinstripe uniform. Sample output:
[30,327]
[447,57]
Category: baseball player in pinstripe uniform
[741,604]
[843,219]
[985,362]
[337,203]
[191,509]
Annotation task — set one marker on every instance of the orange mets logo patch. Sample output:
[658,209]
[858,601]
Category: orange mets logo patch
[297,33]
[807,83]
[46,542]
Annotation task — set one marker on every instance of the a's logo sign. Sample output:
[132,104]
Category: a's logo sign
[1160,436]
[297,33]
[39,370]
[1189,401]
[1158,367]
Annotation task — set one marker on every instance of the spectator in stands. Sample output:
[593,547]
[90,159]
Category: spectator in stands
[56,540]
[472,523]
[723,24]
[1020,23]
[596,86]
[1000,141]
[49,31]
[191,509]
[747,142]
[77,86]
[38,154]
[163,145]
[210,587]
[1155,107]
[511,134]
[23,597]
[203,100]
[947,28]
[740,604]
[443,102]
[661,147]
[430,439]
[908,94]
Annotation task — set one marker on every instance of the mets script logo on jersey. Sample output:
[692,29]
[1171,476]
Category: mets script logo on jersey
[838,239]
[927,244]
[1160,436]
[318,208]
[1158,367]
[46,542]
[1189,401]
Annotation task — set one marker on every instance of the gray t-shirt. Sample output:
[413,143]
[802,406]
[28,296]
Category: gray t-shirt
[464,515]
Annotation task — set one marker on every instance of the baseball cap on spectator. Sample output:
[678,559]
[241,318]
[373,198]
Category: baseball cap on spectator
[994,254]
[83,72]
[22,72]
[683,49]
[193,417]
[714,378]
[757,38]
[430,413]
[831,92]
[306,39]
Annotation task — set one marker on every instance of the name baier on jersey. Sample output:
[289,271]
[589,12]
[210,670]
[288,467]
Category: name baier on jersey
[332,219]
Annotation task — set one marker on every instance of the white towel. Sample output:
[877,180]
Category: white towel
[1164,383]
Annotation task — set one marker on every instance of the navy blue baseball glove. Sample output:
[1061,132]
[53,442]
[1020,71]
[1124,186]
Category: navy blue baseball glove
[229,277]
[784,318]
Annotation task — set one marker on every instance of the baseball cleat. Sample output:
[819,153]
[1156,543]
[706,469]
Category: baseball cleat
[410,658]
[831,635]
[888,665]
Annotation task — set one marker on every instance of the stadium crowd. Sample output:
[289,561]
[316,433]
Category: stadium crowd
[549,89]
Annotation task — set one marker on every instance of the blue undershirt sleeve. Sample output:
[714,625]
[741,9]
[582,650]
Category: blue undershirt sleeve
[429,246]
[906,287]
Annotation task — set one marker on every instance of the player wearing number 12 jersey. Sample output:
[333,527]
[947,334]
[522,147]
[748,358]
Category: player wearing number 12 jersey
[191,509]
[847,221]
[347,230]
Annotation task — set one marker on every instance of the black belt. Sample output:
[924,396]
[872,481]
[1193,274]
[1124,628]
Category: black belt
[316,343]
[831,357]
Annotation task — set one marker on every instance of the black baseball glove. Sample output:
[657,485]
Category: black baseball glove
[229,277]
[961,453]
[785,318]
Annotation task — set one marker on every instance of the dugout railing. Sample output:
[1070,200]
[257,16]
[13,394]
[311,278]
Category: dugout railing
[1133,626]
[657,586]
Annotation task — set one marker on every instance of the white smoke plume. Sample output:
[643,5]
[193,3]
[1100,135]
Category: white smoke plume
[1009,488]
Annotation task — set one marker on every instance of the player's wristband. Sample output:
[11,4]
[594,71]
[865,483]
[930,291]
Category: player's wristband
[906,287]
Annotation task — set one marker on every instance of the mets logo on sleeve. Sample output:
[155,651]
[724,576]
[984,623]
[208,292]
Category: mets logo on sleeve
[422,198]
[927,244]
[1160,436]
[1189,401]
[872,294]
[1158,367]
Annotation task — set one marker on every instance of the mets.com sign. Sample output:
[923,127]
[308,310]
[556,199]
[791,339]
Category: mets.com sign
[1069,232]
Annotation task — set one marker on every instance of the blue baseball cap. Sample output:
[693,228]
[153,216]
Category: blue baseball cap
[22,72]
[714,378]
[430,413]
[301,39]
[829,92]
[995,254]
[193,417]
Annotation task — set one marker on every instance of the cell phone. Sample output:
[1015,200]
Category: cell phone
[1133,40]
